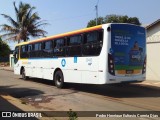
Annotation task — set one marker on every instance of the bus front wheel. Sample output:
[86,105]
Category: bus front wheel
[59,79]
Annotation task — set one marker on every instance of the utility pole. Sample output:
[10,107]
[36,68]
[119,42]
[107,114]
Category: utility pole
[97,12]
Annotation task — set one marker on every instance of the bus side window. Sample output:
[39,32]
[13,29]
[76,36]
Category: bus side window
[100,36]
[24,51]
[100,39]
[92,43]
[47,49]
[59,47]
[92,37]
[37,49]
[74,45]
[30,50]
[48,45]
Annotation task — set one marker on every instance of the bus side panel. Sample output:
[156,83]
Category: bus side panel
[17,68]
[29,68]
[46,68]
[89,68]
[38,68]
[70,69]
[103,58]
[80,69]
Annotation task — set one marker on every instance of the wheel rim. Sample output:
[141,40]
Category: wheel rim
[23,74]
[58,79]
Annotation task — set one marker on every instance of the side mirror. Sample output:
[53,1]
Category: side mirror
[15,54]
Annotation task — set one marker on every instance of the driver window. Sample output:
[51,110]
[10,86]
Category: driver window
[16,55]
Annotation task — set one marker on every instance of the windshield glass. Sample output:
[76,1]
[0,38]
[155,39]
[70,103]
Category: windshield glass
[16,54]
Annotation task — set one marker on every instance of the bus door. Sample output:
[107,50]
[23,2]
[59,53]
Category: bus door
[77,73]
[16,58]
[90,74]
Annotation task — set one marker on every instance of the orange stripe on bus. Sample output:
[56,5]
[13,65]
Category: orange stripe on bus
[62,35]
[67,34]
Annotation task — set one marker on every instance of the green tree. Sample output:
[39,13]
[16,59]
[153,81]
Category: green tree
[111,19]
[114,19]
[121,19]
[26,24]
[91,23]
[4,49]
[134,20]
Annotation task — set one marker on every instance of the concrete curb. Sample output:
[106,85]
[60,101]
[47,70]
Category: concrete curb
[6,69]
[151,84]
[18,103]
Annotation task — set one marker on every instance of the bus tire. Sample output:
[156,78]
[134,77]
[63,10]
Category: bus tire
[24,77]
[59,79]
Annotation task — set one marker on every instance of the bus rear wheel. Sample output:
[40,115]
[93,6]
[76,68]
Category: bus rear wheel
[24,77]
[59,79]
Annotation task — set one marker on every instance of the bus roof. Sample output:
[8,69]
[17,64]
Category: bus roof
[62,35]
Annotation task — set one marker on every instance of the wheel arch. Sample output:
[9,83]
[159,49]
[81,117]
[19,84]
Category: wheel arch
[57,69]
[21,70]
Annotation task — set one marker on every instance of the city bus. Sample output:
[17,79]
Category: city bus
[104,54]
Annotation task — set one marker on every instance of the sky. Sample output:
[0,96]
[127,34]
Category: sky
[68,15]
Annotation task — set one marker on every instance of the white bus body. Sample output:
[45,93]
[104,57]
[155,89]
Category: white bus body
[120,59]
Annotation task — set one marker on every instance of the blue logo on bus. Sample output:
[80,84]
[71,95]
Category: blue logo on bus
[63,62]
[75,59]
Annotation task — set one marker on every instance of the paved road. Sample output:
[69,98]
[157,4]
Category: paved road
[79,97]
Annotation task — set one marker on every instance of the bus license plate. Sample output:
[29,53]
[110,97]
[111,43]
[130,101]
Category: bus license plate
[129,71]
